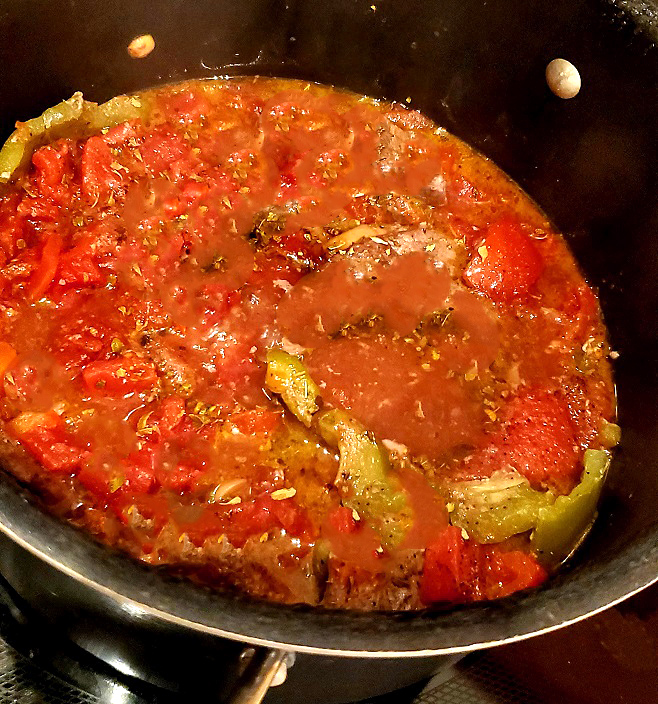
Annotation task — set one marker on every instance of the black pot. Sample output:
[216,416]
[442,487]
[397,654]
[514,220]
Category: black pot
[477,68]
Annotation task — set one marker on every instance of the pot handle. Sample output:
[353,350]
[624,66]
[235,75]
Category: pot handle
[259,674]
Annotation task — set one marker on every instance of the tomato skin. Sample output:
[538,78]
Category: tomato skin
[457,570]
[119,376]
[45,272]
[511,266]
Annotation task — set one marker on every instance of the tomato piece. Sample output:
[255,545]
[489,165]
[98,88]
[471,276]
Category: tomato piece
[256,422]
[53,449]
[290,516]
[139,470]
[239,522]
[515,570]
[186,106]
[120,376]
[45,272]
[457,570]
[161,148]
[78,267]
[52,163]
[44,436]
[342,519]
[28,421]
[168,416]
[98,176]
[507,264]
[180,478]
[95,478]
[539,441]
[441,580]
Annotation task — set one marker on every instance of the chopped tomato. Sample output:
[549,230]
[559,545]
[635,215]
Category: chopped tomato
[98,175]
[538,440]
[515,570]
[458,570]
[255,422]
[161,148]
[78,267]
[28,421]
[507,264]
[45,272]
[185,106]
[120,376]
[44,435]
[180,478]
[167,416]
[139,470]
[52,162]
[239,522]
[442,571]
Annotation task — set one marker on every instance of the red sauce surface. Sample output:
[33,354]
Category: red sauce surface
[146,270]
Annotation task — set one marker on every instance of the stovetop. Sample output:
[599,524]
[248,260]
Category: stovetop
[609,659]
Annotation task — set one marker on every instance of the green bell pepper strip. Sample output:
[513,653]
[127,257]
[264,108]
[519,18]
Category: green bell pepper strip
[365,466]
[493,510]
[561,527]
[363,462]
[287,376]
[73,117]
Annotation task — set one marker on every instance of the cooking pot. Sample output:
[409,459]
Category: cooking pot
[477,68]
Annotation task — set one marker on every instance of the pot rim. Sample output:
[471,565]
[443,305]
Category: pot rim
[140,591]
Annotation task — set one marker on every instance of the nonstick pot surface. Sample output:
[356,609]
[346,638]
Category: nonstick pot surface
[477,68]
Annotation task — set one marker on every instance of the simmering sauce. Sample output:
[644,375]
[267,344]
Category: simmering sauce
[298,342]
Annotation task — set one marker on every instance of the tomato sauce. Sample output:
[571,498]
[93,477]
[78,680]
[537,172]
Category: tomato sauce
[147,268]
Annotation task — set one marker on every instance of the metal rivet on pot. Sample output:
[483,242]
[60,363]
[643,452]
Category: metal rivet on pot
[282,672]
[563,78]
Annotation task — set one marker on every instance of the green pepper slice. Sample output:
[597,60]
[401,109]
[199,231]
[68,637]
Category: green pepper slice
[561,527]
[492,510]
[287,376]
[365,466]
